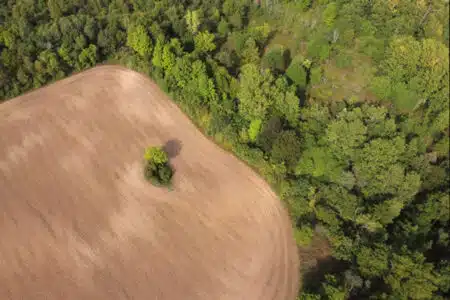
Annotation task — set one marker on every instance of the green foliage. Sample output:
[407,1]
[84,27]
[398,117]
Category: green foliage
[410,277]
[139,40]
[373,262]
[204,42]
[157,53]
[168,59]
[297,73]
[316,75]
[158,174]
[275,58]
[271,129]
[340,200]
[250,52]
[330,13]
[303,236]
[288,104]
[254,91]
[352,133]
[7,38]
[55,8]
[192,20]
[378,165]
[332,289]
[381,86]
[47,63]
[156,155]
[87,57]
[315,162]
[305,4]
[319,48]
[223,28]
[286,148]
[254,129]
[156,166]
[414,69]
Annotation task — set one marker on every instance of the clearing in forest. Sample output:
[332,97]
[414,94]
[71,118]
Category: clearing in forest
[79,221]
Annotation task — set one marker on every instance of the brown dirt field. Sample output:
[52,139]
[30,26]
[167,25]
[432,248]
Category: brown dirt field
[78,221]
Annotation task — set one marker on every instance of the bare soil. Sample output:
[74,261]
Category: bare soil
[78,220]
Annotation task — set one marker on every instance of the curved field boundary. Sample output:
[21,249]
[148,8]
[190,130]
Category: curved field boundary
[78,221]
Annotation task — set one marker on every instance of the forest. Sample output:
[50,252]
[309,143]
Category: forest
[342,106]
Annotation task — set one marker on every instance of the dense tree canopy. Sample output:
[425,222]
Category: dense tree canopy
[343,106]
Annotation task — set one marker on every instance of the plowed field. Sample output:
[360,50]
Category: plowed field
[78,220]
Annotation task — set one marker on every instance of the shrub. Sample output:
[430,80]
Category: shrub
[156,167]
[156,155]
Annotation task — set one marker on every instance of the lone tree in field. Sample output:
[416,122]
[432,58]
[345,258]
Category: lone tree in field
[157,169]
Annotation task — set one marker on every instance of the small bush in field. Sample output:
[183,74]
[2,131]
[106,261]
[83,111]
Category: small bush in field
[156,167]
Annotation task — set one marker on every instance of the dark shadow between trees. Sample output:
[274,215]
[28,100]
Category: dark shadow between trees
[286,59]
[301,93]
[315,275]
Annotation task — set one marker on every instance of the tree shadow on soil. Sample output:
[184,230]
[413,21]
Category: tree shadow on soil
[173,148]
